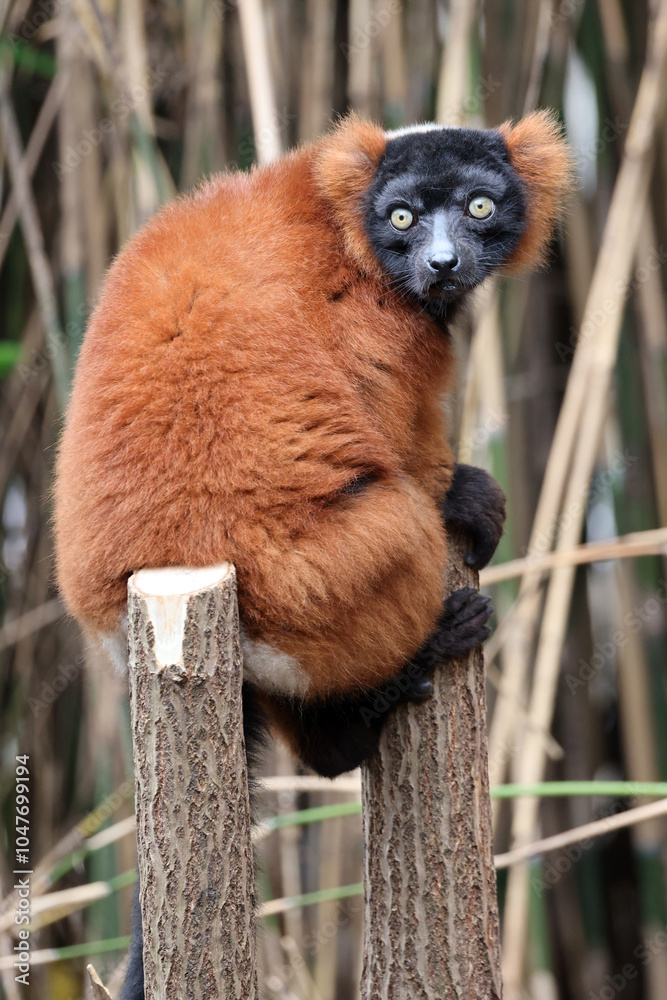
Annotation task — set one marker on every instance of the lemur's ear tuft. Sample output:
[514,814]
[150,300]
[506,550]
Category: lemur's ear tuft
[345,165]
[539,154]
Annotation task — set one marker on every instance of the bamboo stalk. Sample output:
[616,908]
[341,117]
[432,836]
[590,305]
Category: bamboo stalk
[99,990]
[202,154]
[598,828]
[316,99]
[360,56]
[290,867]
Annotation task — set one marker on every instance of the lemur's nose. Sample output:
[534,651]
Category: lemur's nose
[443,262]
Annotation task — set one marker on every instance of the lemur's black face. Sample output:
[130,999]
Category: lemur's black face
[445,209]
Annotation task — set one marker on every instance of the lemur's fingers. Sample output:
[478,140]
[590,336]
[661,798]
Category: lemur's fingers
[462,626]
[476,502]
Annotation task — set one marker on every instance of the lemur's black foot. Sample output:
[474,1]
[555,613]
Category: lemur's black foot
[461,626]
[335,734]
[476,502]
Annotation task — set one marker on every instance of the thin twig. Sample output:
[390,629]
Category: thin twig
[641,814]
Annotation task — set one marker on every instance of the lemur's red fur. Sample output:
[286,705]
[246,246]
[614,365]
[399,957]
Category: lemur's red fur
[245,361]
[542,161]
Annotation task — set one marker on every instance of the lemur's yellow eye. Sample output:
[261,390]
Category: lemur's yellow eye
[481,207]
[401,218]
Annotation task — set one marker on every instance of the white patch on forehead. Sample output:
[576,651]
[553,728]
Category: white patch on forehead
[411,129]
[272,670]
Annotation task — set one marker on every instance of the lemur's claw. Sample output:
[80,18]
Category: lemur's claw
[421,689]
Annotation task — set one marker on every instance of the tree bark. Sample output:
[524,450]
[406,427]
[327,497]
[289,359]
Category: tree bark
[431,915]
[193,817]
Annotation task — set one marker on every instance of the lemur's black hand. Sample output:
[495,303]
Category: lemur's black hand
[476,502]
[461,626]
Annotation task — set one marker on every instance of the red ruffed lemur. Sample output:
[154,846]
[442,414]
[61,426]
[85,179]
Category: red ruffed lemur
[261,383]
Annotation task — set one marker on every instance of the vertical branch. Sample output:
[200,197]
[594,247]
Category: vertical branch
[193,817]
[431,912]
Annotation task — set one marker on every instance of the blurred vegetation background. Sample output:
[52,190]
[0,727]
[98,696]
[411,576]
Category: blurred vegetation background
[110,107]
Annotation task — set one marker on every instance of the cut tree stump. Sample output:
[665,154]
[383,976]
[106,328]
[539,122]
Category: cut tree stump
[431,915]
[193,817]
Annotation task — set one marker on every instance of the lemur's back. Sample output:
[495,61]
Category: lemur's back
[239,379]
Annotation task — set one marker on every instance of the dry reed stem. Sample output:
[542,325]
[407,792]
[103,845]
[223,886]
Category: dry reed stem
[635,699]
[361,57]
[632,546]
[317,78]
[454,78]
[582,418]
[99,989]
[258,69]
[40,133]
[540,54]
[40,268]
[598,828]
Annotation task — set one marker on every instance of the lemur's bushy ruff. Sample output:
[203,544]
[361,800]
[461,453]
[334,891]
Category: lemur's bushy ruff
[254,386]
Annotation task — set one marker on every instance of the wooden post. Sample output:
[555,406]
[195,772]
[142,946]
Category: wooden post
[193,816]
[431,917]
